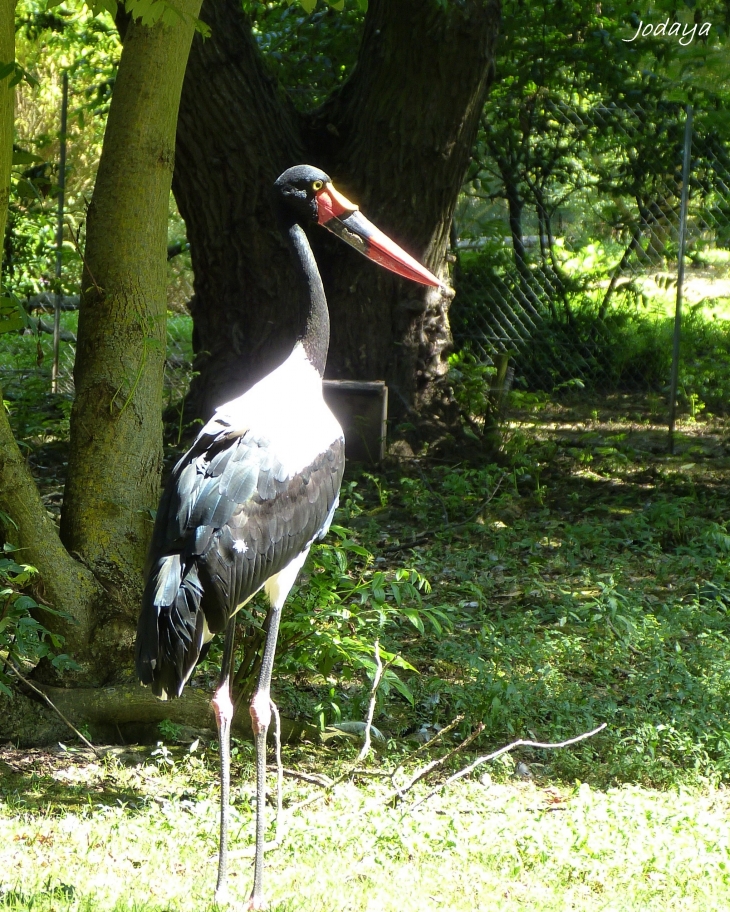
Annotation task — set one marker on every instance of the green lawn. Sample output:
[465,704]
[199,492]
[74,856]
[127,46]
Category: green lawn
[589,582]
[81,835]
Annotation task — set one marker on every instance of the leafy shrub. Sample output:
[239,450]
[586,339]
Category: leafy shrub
[628,348]
[23,639]
[334,615]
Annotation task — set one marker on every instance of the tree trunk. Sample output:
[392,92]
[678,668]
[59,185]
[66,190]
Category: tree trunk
[116,431]
[396,138]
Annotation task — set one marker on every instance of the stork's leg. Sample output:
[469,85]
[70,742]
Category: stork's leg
[260,710]
[223,706]
[277,589]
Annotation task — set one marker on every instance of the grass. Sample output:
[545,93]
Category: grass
[596,589]
[482,844]
[594,586]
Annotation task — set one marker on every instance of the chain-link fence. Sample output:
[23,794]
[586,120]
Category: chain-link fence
[568,262]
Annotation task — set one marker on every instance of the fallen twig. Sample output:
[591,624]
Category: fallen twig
[424,747]
[371,707]
[429,533]
[54,708]
[400,792]
[373,774]
[353,768]
[437,737]
[498,753]
[310,778]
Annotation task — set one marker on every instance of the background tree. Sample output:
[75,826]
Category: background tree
[396,135]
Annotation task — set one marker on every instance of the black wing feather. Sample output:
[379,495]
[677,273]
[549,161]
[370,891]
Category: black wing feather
[229,519]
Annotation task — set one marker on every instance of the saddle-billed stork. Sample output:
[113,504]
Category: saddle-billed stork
[258,486]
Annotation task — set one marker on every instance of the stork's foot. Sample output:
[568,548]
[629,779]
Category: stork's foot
[222,897]
[255,903]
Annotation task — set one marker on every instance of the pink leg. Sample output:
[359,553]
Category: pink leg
[223,706]
[260,710]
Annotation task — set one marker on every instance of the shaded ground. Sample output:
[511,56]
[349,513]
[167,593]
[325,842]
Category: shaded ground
[590,584]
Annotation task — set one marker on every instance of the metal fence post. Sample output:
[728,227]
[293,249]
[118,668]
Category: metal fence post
[59,237]
[680,276]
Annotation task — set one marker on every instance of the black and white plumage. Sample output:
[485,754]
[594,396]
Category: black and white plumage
[258,486]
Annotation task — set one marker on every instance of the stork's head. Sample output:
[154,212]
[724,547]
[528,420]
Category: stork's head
[310,193]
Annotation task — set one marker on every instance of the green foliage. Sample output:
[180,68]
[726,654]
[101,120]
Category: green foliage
[471,380]
[12,315]
[24,641]
[35,414]
[587,608]
[310,5]
[17,73]
[310,50]
[50,41]
[170,731]
[582,137]
[629,347]
[335,614]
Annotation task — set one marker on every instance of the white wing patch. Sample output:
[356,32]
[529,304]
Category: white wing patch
[277,586]
[286,408]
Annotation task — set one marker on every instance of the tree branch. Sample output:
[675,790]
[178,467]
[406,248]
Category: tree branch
[104,708]
[371,707]
[498,753]
[67,584]
[400,793]
[44,696]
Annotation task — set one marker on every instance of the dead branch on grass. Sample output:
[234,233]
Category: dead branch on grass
[498,753]
[50,702]
[400,792]
[377,678]
[424,747]
[353,769]
[310,778]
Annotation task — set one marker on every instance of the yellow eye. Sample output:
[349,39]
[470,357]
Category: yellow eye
[317,185]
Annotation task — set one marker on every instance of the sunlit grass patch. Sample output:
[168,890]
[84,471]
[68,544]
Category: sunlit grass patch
[480,845]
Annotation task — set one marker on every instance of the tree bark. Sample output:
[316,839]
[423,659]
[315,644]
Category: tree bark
[93,571]
[396,138]
[115,460]
[129,712]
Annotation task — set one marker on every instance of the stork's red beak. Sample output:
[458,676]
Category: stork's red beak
[344,219]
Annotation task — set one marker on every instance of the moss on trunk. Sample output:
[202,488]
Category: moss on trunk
[116,429]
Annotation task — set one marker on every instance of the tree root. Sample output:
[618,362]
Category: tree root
[127,711]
